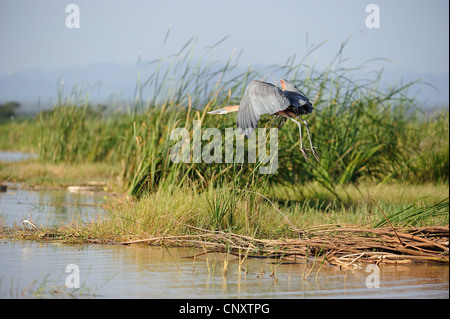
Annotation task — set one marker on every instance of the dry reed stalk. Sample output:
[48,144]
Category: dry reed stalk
[384,215]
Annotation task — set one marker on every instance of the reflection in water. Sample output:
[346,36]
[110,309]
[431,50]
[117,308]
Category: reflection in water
[156,272]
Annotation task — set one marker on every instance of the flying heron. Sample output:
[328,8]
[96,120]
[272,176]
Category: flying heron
[265,98]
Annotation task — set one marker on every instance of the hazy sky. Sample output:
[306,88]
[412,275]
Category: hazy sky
[33,34]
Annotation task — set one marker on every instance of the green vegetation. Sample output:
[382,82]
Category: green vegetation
[374,143]
[17,133]
[183,211]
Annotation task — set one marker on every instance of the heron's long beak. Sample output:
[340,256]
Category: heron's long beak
[226,110]
[219,111]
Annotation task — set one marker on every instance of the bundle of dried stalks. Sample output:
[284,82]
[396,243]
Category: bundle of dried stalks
[343,245]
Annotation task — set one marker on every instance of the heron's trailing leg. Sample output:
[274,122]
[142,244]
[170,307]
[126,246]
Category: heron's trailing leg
[301,143]
[284,114]
[313,148]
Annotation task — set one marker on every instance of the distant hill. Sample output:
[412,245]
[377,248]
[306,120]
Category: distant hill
[37,90]
[103,81]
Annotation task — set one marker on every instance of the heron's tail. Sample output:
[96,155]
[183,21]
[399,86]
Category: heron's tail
[225,110]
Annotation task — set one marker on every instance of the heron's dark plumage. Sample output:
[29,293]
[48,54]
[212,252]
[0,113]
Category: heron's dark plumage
[298,100]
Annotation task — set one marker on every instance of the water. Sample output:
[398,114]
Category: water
[38,270]
[30,269]
[10,156]
[49,207]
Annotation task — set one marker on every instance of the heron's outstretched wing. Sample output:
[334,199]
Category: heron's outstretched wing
[259,98]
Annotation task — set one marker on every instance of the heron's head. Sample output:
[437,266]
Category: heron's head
[288,86]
